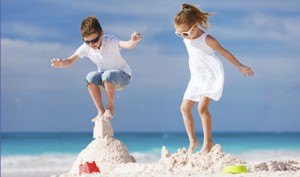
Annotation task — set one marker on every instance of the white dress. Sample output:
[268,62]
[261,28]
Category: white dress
[207,73]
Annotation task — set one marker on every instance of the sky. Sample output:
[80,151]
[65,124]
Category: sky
[35,97]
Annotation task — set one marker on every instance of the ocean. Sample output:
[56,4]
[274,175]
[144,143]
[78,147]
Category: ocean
[56,152]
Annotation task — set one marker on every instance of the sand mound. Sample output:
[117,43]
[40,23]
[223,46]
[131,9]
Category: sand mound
[114,160]
[177,164]
[198,163]
[107,152]
[117,163]
[288,165]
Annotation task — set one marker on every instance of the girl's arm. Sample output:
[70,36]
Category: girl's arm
[214,44]
[135,38]
[63,63]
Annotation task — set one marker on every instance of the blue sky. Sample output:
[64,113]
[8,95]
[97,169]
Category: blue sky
[261,34]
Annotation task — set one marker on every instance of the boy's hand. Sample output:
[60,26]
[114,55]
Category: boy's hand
[56,62]
[136,37]
[130,44]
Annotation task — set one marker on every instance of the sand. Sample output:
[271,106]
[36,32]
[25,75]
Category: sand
[114,160]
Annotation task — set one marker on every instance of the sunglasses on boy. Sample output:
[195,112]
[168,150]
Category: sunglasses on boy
[93,41]
[185,34]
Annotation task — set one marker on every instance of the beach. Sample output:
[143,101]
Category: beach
[55,154]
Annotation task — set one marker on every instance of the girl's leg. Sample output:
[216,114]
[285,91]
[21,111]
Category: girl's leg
[186,110]
[206,124]
[96,96]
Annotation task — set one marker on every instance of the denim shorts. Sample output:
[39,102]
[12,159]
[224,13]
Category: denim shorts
[117,77]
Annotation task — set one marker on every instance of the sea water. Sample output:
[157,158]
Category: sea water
[31,152]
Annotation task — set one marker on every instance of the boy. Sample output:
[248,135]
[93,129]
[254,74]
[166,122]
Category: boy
[113,71]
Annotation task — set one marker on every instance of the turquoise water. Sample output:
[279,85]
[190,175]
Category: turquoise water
[50,152]
[72,143]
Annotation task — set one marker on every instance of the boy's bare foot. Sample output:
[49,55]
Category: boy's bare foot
[192,147]
[108,115]
[207,147]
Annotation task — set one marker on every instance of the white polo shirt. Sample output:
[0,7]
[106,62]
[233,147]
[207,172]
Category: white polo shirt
[107,57]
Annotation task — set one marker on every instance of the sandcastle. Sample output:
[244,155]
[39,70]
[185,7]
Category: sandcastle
[105,150]
[102,128]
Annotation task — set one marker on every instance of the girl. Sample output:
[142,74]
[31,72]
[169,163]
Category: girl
[207,75]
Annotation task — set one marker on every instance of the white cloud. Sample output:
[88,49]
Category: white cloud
[157,7]
[135,8]
[254,5]
[260,26]
[277,70]
[268,26]
[29,31]
[21,53]
[26,65]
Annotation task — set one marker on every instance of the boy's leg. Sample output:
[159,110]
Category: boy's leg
[113,80]
[206,124]
[110,94]
[96,96]
[186,110]
[93,80]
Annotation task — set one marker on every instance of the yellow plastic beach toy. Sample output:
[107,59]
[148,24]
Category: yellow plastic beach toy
[235,169]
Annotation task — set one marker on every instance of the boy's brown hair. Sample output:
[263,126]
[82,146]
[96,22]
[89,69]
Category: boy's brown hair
[90,25]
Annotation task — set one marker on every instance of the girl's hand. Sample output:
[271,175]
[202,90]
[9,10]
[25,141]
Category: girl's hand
[56,63]
[136,37]
[246,71]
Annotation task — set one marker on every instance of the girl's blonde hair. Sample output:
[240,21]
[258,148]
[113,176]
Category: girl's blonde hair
[190,14]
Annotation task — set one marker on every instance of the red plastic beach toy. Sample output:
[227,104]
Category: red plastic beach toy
[88,168]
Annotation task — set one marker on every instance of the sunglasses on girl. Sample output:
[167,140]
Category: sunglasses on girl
[93,41]
[184,34]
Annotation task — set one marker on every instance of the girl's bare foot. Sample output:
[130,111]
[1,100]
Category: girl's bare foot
[207,147]
[192,147]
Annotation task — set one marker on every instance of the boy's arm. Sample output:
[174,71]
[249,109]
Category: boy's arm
[214,44]
[135,38]
[63,63]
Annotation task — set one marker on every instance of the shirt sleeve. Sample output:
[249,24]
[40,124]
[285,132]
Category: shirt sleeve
[81,52]
[114,42]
